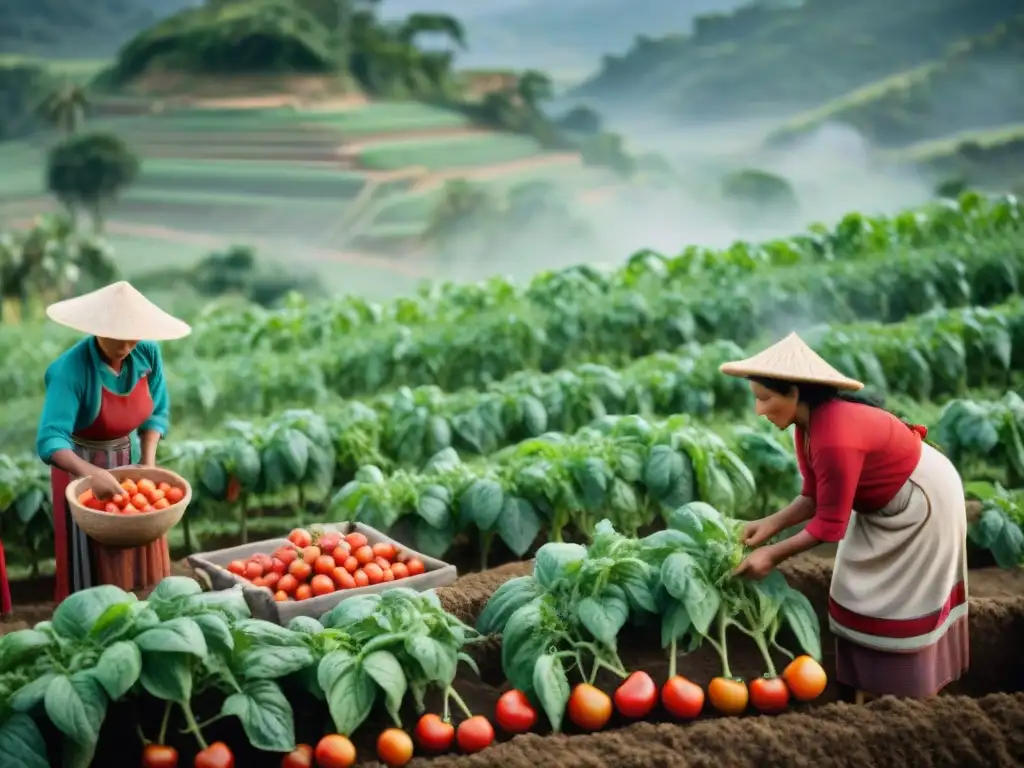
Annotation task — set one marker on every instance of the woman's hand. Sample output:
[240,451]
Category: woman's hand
[756,565]
[104,486]
[758,532]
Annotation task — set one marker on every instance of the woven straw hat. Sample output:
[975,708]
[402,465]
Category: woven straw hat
[118,311]
[791,360]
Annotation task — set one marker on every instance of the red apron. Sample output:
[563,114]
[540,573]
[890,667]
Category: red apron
[83,563]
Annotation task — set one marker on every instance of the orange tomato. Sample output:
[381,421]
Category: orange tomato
[329,541]
[415,566]
[388,575]
[175,495]
[343,578]
[288,584]
[120,499]
[356,540]
[394,747]
[730,697]
[384,549]
[128,509]
[351,564]
[86,497]
[310,554]
[112,508]
[300,569]
[374,573]
[156,495]
[364,554]
[304,592]
[805,678]
[253,570]
[400,570]
[383,562]
[161,504]
[139,500]
[335,751]
[590,708]
[361,578]
[281,596]
[300,537]
[165,487]
[129,487]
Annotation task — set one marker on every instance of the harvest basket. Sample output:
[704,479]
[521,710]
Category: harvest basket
[113,530]
[213,566]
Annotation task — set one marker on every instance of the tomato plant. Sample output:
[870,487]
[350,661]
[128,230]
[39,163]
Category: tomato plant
[335,751]
[805,678]
[474,734]
[159,756]
[217,755]
[637,696]
[434,734]
[514,712]
[769,694]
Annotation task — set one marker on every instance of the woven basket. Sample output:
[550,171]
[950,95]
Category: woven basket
[113,530]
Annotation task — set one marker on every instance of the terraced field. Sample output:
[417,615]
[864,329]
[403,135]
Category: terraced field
[311,178]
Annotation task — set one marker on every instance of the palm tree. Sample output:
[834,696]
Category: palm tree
[534,87]
[65,107]
[433,23]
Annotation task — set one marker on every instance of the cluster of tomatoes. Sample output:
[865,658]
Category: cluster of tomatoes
[138,498]
[309,566]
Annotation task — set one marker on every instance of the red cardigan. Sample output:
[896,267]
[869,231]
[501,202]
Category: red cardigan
[859,457]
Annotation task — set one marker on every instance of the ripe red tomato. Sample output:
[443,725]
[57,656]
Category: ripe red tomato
[415,566]
[682,698]
[288,584]
[287,555]
[335,751]
[300,537]
[324,564]
[374,573]
[300,569]
[361,578]
[394,747]
[388,575]
[302,757]
[769,694]
[281,596]
[159,756]
[343,579]
[310,554]
[730,697]
[434,734]
[400,570]
[514,712]
[304,592]
[805,678]
[363,554]
[637,695]
[322,585]
[475,734]
[237,567]
[384,549]
[351,564]
[253,570]
[279,566]
[383,562]
[329,540]
[217,755]
[271,579]
[356,540]
[340,553]
[589,707]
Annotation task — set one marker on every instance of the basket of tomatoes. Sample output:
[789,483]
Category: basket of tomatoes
[311,571]
[153,502]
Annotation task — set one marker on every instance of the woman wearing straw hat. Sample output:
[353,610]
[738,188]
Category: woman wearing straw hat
[106,406]
[898,600]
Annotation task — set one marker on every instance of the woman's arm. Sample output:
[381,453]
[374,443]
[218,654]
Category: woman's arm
[156,425]
[800,510]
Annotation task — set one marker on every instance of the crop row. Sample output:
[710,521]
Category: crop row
[448,152]
[226,329]
[496,344]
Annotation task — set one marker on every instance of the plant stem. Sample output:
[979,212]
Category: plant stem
[785,651]
[672,659]
[193,726]
[486,539]
[138,729]
[447,714]
[164,722]
[723,624]
[458,700]
[205,723]
[618,671]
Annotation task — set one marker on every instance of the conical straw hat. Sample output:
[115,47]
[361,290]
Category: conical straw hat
[791,360]
[118,311]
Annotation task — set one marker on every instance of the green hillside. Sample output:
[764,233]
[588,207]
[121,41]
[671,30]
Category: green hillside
[979,84]
[763,59]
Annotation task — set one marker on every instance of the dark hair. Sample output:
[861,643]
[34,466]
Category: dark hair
[818,394]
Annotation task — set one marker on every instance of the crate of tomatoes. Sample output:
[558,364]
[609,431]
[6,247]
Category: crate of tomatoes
[312,570]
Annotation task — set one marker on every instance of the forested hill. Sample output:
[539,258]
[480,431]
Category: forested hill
[77,28]
[772,58]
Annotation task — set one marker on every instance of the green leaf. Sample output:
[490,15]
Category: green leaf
[351,611]
[554,562]
[433,506]
[217,632]
[76,706]
[799,614]
[506,600]
[387,672]
[168,591]
[700,521]
[604,615]
[266,715]
[75,616]
[664,466]
[167,676]
[115,622]
[522,643]
[551,687]
[181,635]
[32,694]
[437,660]
[684,580]
[636,581]
[274,662]
[481,504]
[518,525]
[22,744]
[20,646]
[350,691]
[675,623]
[119,668]
[28,504]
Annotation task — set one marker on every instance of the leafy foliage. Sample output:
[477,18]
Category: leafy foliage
[89,171]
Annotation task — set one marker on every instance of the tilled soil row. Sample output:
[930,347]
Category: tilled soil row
[977,721]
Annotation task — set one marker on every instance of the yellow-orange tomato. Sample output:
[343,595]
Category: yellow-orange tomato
[590,708]
[730,697]
[805,678]
[394,747]
[335,751]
